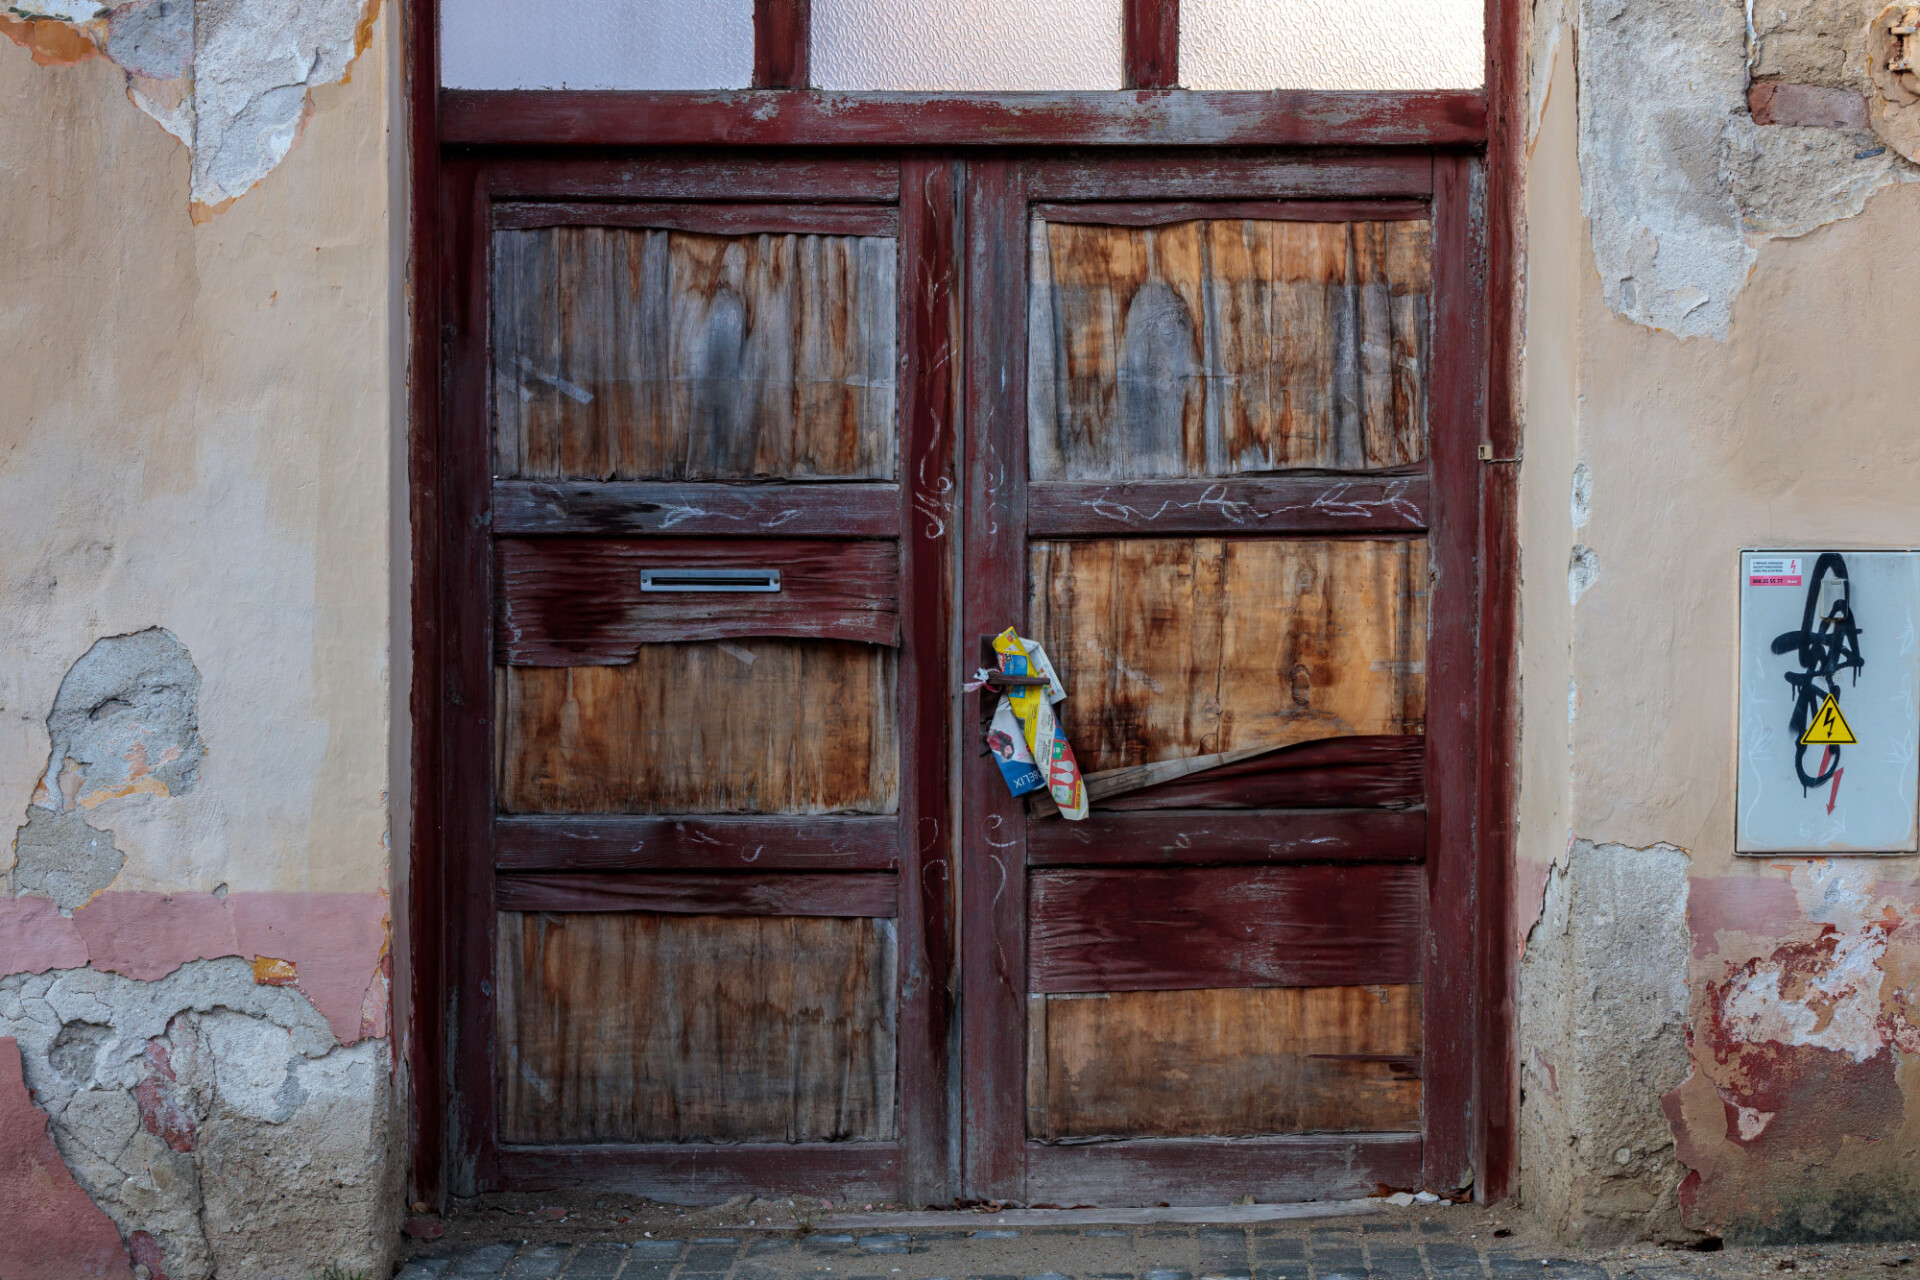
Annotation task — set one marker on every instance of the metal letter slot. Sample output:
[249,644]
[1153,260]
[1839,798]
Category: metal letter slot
[709,580]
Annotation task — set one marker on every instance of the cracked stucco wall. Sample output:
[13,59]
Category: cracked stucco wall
[1713,360]
[233,80]
[197,596]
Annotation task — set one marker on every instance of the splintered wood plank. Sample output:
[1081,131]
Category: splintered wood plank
[632,1027]
[578,601]
[651,354]
[746,726]
[1225,1063]
[1155,929]
[1178,647]
[1222,346]
[1328,773]
[754,894]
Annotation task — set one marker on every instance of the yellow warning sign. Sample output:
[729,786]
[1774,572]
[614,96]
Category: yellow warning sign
[1829,727]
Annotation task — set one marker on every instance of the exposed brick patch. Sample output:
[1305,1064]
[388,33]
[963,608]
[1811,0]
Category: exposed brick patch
[1807,106]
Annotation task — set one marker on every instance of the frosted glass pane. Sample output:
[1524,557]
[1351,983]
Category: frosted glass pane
[1331,44]
[989,45]
[596,44]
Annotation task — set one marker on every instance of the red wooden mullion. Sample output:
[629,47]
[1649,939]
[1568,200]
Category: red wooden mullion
[780,44]
[993,886]
[1153,44]
[929,302]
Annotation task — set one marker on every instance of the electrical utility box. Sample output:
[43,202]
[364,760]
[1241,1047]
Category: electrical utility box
[1829,702]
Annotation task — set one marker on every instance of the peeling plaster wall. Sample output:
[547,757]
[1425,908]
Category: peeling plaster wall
[197,447]
[1715,359]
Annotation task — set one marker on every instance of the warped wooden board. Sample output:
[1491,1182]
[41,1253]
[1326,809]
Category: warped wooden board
[646,354]
[749,726]
[1172,648]
[577,601]
[629,1027]
[1223,1063]
[668,893]
[1163,929]
[1366,769]
[1221,346]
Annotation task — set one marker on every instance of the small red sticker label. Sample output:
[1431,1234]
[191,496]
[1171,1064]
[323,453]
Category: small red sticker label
[1774,571]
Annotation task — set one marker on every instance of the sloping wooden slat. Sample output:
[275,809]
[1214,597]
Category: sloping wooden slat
[666,893]
[1221,346]
[1369,769]
[631,842]
[1170,837]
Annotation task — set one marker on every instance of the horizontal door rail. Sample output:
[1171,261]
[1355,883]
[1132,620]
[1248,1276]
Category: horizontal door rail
[1163,177]
[707,218]
[854,894]
[681,178]
[1285,118]
[1171,929]
[1164,213]
[1264,504]
[1182,837]
[577,602]
[630,508]
[704,1173]
[641,843]
[1207,1171]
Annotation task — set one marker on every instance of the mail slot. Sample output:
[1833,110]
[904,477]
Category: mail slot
[709,580]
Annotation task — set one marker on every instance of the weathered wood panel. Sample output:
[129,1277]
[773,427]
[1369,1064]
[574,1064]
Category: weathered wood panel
[632,842]
[647,354]
[749,726]
[1220,346]
[1211,836]
[577,601]
[1332,773]
[630,1027]
[1242,504]
[666,893]
[1155,929]
[1224,1063]
[638,508]
[1172,648]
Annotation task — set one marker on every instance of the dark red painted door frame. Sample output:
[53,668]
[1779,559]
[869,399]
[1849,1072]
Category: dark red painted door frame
[456,137]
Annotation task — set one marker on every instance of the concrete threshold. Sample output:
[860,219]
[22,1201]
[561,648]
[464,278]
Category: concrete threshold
[1223,1215]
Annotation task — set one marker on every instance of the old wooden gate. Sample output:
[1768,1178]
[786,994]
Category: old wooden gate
[744,458]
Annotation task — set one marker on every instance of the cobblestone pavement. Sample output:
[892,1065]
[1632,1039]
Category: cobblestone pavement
[1371,1250]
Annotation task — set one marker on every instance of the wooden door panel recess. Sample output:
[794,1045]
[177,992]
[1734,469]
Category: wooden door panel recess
[1226,346]
[578,601]
[632,1027]
[1223,1063]
[1180,647]
[746,726]
[1165,929]
[649,354]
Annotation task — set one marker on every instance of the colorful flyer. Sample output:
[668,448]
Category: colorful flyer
[1008,742]
[1051,753]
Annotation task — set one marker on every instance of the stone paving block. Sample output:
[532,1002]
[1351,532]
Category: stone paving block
[424,1269]
[1049,1275]
[537,1263]
[657,1248]
[1167,1273]
[766,1245]
[1568,1269]
[643,1269]
[891,1242]
[994,1234]
[1108,1233]
[1505,1266]
[596,1262]
[1280,1248]
[484,1262]
[1451,1261]
[1294,1270]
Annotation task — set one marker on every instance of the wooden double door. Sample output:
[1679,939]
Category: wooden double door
[749,457]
